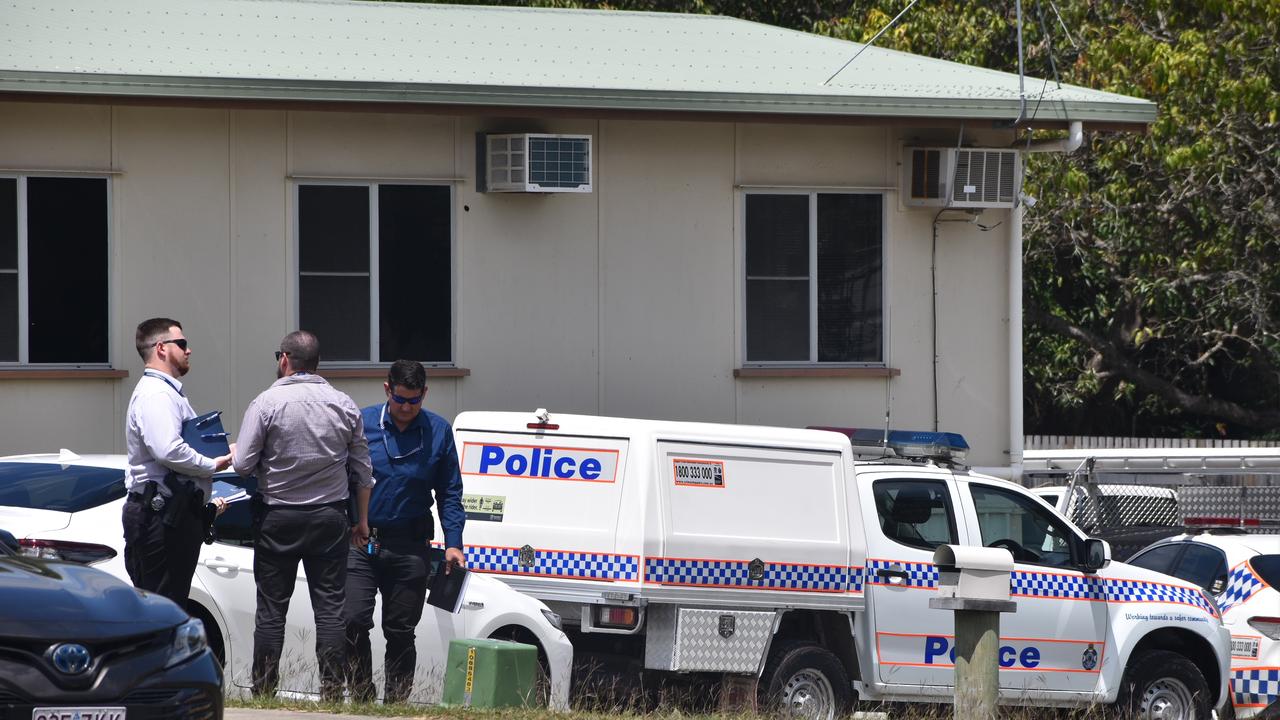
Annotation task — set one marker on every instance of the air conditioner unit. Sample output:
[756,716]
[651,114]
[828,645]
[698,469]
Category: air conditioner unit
[960,177]
[534,163]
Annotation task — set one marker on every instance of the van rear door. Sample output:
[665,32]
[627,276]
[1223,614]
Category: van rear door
[544,505]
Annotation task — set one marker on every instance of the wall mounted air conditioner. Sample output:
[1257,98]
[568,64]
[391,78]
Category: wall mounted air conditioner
[960,177]
[534,163]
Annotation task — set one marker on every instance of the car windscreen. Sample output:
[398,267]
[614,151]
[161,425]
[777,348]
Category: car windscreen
[1268,568]
[65,488]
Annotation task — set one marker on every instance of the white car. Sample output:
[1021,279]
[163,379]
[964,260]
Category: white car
[68,506]
[1243,573]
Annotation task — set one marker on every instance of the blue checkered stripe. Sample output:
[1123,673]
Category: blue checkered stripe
[1255,686]
[919,574]
[1140,591]
[1241,585]
[734,574]
[1051,585]
[554,563]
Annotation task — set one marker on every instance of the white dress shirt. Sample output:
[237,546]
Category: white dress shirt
[153,434]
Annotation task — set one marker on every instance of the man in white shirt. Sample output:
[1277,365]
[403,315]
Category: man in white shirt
[167,480]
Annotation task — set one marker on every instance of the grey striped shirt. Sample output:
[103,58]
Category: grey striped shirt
[305,442]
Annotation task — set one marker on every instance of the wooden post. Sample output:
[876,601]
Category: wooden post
[977,671]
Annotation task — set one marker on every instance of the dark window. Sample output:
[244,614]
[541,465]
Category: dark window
[64,488]
[1202,565]
[814,290]
[915,512]
[1021,525]
[1162,558]
[235,525]
[65,270]
[411,230]
[1268,568]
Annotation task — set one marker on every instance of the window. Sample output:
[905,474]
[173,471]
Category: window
[375,271]
[1162,558]
[1021,525]
[53,270]
[1201,564]
[61,488]
[915,512]
[814,285]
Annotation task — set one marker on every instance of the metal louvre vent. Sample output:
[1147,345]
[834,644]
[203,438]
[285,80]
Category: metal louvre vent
[536,162]
[984,178]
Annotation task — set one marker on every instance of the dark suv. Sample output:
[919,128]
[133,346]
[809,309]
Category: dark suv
[77,642]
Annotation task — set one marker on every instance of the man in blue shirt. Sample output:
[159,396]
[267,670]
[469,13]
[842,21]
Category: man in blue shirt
[413,456]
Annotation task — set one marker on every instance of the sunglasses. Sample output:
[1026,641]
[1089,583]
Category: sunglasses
[411,401]
[180,342]
[280,354]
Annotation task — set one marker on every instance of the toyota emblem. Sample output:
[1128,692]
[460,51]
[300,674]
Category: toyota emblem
[71,658]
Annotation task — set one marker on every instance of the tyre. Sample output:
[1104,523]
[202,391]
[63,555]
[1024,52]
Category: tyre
[804,680]
[1163,685]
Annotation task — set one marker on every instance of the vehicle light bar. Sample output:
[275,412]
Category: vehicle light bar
[910,444]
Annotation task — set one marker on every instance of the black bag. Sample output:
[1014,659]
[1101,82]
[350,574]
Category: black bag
[184,502]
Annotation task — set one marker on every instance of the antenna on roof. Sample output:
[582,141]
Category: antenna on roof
[871,42]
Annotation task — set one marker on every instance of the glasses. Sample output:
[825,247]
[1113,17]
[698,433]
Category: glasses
[180,342]
[409,400]
[280,354]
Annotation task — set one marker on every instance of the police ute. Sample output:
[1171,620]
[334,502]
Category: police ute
[797,565]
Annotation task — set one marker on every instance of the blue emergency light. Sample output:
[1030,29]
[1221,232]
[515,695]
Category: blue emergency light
[908,444]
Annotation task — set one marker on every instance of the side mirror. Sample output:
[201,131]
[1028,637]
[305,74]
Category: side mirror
[8,540]
[1097,555]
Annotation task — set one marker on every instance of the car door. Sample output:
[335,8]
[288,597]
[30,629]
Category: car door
[1056,641]
[907,519]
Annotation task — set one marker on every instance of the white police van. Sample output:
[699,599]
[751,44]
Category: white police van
[787,559]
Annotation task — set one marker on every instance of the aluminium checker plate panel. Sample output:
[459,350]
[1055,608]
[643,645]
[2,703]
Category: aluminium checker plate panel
[707,640]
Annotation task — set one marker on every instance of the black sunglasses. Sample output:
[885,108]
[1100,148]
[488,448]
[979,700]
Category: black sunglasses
[280,354]
[180,342]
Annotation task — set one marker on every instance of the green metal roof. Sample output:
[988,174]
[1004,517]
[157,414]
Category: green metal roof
[351,51]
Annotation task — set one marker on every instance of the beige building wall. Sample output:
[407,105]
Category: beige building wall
[624,301]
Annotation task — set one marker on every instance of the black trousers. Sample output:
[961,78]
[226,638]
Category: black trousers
[317,536]
[159,558]
[399,571]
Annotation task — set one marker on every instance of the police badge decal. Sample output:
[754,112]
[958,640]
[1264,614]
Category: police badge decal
[1089,660]
[526,557]
[727,625]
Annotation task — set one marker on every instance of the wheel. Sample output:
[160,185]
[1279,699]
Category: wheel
[804,680]
[541,695]
[1163,685]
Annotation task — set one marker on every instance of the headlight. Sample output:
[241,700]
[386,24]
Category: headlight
[552,618]
[188,640]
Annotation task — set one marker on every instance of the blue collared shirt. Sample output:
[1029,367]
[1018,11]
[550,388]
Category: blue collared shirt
[409,466]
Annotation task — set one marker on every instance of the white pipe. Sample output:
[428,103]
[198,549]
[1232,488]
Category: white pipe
[1015,345]
[1073,140]
[1069,144]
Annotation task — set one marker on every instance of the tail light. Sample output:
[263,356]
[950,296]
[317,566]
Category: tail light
[616,616]
[1269,626]
[84,553]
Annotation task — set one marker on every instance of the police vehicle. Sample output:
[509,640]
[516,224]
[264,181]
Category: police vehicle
[799,563]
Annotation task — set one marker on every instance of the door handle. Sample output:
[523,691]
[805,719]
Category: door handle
[893,576]
[220,565]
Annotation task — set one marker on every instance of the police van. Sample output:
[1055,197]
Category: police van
[800,563]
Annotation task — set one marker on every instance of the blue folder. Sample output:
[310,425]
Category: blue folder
[205,435]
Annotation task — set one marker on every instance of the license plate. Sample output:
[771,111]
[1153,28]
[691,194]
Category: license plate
[78,713]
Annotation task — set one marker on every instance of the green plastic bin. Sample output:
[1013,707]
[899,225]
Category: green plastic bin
[490,673]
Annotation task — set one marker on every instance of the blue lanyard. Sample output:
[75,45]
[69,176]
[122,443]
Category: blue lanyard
[161,376]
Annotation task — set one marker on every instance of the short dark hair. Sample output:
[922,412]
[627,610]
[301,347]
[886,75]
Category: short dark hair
[151,332]
[408,374]
[303,349]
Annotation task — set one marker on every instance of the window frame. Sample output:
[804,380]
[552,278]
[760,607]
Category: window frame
[24,272]
[374,271]
[742,278]
[950,507]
